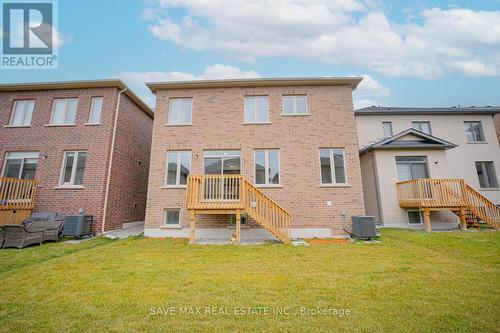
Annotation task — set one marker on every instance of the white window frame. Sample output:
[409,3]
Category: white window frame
[165,224]
[25,155]
[92,110]
[65,111]
[332,168]
[419,214]
[420,127]
[266,167]
[178,171]
[480,128]
[390,127]
[14,106]
[294,105]
[181,123]
[73,169]
[256,110]
[485,172]
[222,157]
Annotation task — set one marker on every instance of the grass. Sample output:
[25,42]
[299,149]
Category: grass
[410,281]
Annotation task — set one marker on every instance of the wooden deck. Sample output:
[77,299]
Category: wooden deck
[447,194]
[17,199]
[233,194]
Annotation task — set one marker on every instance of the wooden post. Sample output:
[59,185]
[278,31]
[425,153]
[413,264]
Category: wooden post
[463,221]
[238,226]
[192,218]
[427,220]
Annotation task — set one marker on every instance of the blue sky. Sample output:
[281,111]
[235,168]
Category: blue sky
[412,53]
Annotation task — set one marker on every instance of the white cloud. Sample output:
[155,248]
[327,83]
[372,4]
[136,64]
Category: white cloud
[363,103]
[136,80]
[61,39]
[436,42]
[369,87]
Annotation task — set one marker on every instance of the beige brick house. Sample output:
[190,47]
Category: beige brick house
[86,143]
[280,153]
[423,166]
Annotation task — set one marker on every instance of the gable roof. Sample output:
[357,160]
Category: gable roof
[415,140]
[390,110]
[60,85]
[257,82]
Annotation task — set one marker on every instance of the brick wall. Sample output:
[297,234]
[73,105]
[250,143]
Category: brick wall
[52,141]
[217,124]
[129,175]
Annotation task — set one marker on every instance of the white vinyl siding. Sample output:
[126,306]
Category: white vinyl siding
[64,111]
[22,111]
[333,166]
[95,110]
[256,109]
[295,105]
[180,111]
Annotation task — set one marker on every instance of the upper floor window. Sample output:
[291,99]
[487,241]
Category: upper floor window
[332,162]
[21,165]
[387,128]
[422,126]
[295,105]
[21,113]
[256,109]
[474,131]
[218,162]
[180,111]
[64,111]
[178,167]
[267,167]
[486,174]
[95,110]
[73,168]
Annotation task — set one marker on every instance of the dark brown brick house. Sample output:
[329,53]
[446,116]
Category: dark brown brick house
[87,143]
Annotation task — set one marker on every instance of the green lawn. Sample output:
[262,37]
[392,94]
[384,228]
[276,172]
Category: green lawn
[410,281]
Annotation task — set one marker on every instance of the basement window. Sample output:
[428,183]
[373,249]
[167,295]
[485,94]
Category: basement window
[172,217]
[414,217]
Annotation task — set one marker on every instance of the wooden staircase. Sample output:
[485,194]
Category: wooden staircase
[233,194]
[448,194]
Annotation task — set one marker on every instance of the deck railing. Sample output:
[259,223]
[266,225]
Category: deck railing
[17,193]
[431,193]
[234,192]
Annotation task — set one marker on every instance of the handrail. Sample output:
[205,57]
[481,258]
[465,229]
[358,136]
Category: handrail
[447,193]
[234,192]
[17,193]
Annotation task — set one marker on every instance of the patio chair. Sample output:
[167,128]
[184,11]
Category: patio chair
[16,235]
[50,223]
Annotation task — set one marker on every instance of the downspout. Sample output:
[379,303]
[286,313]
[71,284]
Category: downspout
[108,179]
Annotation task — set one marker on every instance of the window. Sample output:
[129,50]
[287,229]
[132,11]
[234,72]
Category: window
[387,127]
[219,162]
[73,168]
[256,109]
[486,174]
[332,163]
[64,111]
[179,111]
[422,126]
[411,167]
[172,217]
[295,105]
[21,165]
[178,167]
[21,113]
[267,167]
[474,131]
[95,110]
[414,217]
